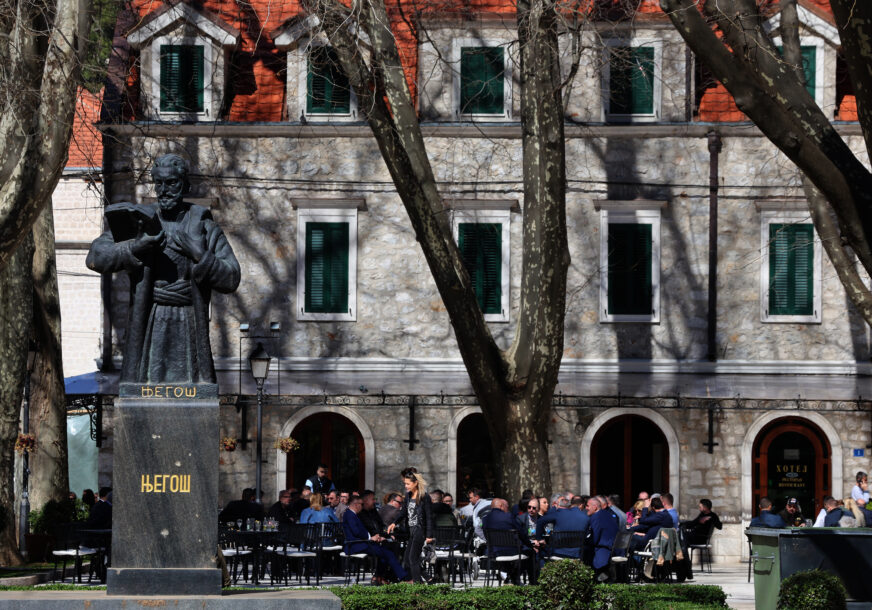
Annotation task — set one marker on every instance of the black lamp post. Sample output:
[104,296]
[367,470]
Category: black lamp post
[24,510]
[259,363]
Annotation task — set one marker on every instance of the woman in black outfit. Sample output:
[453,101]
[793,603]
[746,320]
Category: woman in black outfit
[417,516]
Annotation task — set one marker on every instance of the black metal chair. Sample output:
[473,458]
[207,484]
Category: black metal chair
[565,540]
[705,552]
[502,539]
[619,559]
[451,549]
[69,546]
[234,553]
[297,547]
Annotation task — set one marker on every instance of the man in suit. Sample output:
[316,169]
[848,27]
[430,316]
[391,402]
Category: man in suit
[767,518]
[565,518]
[501,519]
[604,525]
[358,540]
[100,516]
[242,509]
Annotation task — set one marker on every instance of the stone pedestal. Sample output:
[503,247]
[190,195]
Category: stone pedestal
[165,491]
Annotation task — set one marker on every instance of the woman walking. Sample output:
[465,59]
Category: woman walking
[417,516]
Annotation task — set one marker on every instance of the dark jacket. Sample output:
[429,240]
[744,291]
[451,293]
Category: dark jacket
[321,486]
[604,525]
[443,516]
[499,520]
[356,536]
[284,515]
[651,523]
[241,509]
[767,518]
[833,517]
[100,516]
[564,520]
[370,519]
[423,511]
[790,519]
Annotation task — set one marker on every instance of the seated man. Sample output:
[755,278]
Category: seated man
[697,531]
[650,524]
[358,540]
[100,515]
[767,518]
[834,513]
[500,519]
[443,516]
[792,513]
[604,527]
[565,519]
[242,509]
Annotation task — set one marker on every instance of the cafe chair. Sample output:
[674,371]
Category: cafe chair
[497,563]
[70,547]
[234,554]
[705,552]
[451,551]
[619,560]
[565,540]
[298,550]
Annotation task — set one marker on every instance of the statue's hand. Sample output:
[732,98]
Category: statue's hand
[192,247]
[146,243]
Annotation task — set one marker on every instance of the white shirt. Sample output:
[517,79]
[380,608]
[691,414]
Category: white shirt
[819,522]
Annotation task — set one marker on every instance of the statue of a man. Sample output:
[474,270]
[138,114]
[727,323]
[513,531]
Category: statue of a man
[173,271]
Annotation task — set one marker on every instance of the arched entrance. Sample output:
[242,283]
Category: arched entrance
[331,439]
[791,458]
[629,453]
[474,456]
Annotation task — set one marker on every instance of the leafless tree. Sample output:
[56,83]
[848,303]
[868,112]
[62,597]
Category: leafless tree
[514,386]
[769,88]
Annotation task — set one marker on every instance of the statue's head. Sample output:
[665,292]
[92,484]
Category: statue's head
[171,184]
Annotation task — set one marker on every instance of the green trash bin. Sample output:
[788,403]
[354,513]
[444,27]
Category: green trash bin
[779,553]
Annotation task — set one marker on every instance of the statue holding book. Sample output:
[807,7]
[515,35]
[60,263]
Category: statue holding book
[175,255]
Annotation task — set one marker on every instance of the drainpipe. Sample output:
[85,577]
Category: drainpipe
[106,278]
[714,147]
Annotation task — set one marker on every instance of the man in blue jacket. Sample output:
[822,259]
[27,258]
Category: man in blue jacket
[604,525]
[358,540]
[767,518]
[501,519]
[565,519]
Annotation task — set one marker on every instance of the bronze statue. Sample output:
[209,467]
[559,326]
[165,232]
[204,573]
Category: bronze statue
[175,255]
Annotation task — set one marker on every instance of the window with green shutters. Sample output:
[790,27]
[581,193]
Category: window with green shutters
[480,247]
[630,286]
[326,267]
[482,80]
[181,78]
[809,65]
[631,80]
[791,269]
[327,88]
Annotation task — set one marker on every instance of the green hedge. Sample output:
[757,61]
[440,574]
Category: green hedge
[443,597]
[812,590]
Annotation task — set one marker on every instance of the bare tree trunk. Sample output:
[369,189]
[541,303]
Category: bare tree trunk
[48,418]
[16,298]
[515,387]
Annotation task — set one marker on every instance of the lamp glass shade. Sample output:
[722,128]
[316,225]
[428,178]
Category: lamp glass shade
[259,363]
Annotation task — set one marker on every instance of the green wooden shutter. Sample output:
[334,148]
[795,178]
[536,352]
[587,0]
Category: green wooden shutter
[326,267]
[181,78]
[328,89]
[482,75]
[791,269]
[631,80]
[630,289]
[480,247]
[809,65]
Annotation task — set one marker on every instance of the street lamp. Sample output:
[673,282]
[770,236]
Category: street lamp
[259,363]
[24,510]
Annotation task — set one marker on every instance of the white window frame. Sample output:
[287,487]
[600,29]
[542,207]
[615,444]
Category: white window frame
[796,216]
[819,48]
[611,43]
[208,65]
[630,212]
[457,45]
[504,217]
[303,86]
[316,211]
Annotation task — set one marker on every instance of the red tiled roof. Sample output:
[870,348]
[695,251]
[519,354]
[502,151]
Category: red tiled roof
[86,144]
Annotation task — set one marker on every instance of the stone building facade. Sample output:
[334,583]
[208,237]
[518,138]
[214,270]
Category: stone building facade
[644,401]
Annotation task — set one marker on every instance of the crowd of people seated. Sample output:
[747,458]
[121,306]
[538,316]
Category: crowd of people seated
[397,530]
[853,511]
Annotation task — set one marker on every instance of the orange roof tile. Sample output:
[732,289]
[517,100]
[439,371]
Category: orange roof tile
[86,143]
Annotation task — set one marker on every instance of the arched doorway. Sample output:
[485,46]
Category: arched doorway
[333,440]
[629,454]
[475,463]
[791,459]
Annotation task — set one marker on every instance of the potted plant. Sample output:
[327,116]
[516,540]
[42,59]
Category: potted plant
[26,443]
[286,444]
[228,444]
[40,542]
